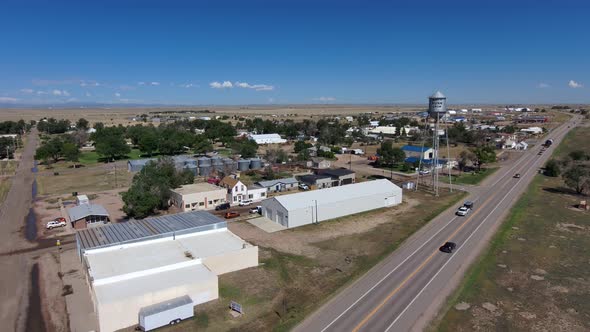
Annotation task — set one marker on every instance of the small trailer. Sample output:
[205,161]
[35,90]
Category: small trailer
[169,312]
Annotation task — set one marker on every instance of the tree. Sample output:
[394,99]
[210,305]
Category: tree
[301,145]
[82,124]
[577,178]
[578,155]
[552,168]
[276,156]
[51,149]
[150,188]
[484,155]
[110,143]
[245,147]
[201,144]
[269,174]
[390,156]
[70,151]
[464,157]
[148,141]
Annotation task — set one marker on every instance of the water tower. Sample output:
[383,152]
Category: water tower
[437,107]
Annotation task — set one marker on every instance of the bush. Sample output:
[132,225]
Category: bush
[552,168]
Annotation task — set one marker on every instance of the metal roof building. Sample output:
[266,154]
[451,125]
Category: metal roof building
[318,205]
[134,265]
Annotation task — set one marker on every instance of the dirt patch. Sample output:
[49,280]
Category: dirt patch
[52,288]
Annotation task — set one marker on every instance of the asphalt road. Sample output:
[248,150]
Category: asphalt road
[405,291]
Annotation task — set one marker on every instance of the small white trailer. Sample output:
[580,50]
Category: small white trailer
[169,312]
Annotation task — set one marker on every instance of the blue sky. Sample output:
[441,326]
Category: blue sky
[261,52]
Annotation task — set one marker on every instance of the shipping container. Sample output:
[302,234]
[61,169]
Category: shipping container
[169,312]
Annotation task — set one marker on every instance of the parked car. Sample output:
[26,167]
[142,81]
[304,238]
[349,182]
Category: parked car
[303,186]
[245,202]
[448,247]
[231,215]
[517,176]
[223,206]
[424,172]
[59,222]
[257,209]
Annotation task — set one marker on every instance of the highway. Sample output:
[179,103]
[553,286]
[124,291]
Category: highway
[405,291]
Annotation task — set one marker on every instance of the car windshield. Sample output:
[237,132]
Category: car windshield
[462,208]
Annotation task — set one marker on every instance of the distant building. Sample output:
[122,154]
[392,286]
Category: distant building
[236,190]
[521,145]
[384,130]
[267,138]
[317,181]
[256,193]
[198,196]
[532,130]
[320,163]
[418,151]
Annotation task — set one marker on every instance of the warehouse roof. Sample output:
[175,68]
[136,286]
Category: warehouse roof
[335,194]
[271,183]
[150,228]
[414,148]
[337,172]
[84,210]
[312,178]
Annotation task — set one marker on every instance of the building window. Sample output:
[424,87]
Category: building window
[187,206]
[201,203]
[250,196]
[242,188]
[235,198]
[263,195]
[210,202]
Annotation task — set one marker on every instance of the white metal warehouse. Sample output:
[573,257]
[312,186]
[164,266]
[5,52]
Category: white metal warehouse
[318,205]
[136,264]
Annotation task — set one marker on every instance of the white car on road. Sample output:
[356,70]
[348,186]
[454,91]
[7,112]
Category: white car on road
[463,211]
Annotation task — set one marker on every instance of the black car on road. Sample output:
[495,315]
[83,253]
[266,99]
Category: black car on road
[448,247]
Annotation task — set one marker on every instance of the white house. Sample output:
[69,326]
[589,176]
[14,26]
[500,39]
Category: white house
[509,144]
[521,145]
[256,193]
[533,130]
[267,138]
[236,190]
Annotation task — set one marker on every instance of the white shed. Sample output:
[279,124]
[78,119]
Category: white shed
[314,206]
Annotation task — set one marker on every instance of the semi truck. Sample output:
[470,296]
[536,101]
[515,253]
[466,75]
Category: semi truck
[548,142]
[169,312]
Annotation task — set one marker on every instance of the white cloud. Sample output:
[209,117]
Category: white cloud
[40,93]
[257,87]
[57,92]
[89,83]
[88,94]
[154,83]
[325,99]
[117,94]
[44,82]
[543,86]
[140,83]
[574,85]
[27,91]
[71,100]
[217,85]
[188,85]
[8,100]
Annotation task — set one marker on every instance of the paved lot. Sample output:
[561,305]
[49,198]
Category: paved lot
[405,291]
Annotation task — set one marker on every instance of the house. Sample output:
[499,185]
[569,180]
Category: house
[384,130]
[198,196]
[88,215]
[279,185]
[320,163]
[315,206]
[82,199]
[136,264]
[418,151]
[340,176]
[236,190]
[267,138]
[509,144]
[522,145]
[374,123]
[315,181]
[256,193]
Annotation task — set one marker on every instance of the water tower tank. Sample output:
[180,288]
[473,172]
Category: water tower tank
[192,168]
[437,105]
[255,163]
[229,164]
[243,165]
[204,161]
[217,164]
[205,170]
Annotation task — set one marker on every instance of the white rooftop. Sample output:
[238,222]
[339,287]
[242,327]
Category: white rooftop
[196,188]
[334,194]
[142,256]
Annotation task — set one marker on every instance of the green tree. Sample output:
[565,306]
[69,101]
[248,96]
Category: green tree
[577,178]
[201,144]
[464,157]
[148,141]
[70,151]
[150,188]
[485,155]
[82,124]
[552,168]
[389,155]
[301,145]
[245,147]
[110,143]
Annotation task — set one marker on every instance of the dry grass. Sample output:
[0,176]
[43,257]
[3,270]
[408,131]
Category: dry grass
[83,180]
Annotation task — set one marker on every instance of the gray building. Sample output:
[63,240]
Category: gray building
[88,215]
[317,181]
[340,176]
[279,185]
[315,206]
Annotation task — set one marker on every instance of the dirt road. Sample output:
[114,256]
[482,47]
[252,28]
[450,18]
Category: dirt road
[15,269]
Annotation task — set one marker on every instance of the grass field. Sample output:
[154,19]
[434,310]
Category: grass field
[83,180]
[91,157]
[7,170]
[472,178]
[535,275]
[285,288]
